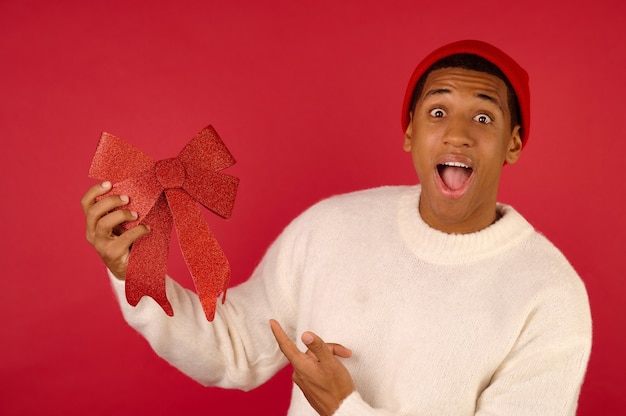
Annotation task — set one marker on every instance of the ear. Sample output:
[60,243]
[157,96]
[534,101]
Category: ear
[515,146]
[407,134]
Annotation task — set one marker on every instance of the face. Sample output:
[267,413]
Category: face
[459,137]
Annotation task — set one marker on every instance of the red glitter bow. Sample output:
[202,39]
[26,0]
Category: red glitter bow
[163,193]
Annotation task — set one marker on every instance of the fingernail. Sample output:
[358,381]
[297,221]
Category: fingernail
[106,184]
[307,338]
[133,214]
[124,198]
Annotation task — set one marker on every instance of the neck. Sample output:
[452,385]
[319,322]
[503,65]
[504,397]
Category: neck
[458,223]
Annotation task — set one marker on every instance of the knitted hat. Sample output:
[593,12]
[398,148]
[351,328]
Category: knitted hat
[517,76]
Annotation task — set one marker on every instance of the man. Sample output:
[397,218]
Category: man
[449,302]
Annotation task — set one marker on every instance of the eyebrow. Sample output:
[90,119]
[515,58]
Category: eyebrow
[437,91]
[482,96]
[492,99]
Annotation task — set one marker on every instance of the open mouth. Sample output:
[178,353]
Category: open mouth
[454,175]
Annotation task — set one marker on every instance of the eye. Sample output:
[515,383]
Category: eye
[483,118]
[437,113]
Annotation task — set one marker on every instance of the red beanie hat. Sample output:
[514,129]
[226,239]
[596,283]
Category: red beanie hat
[516,75]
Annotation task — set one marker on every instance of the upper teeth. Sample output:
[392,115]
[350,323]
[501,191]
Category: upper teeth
[456,164]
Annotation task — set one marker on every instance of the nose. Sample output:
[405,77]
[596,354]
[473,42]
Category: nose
[458,134]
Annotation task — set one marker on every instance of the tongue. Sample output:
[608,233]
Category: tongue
[454,177]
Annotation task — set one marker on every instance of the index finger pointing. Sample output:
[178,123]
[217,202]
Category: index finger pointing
[286,345]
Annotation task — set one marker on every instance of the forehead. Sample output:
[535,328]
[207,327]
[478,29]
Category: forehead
[465,81]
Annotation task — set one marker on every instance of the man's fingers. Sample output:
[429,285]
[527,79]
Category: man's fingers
[286,345]
[104,229]
[317,350]
[103,220]
[317,346]
[106,226]
[115,251]
[92,193]
[129,236]
[96,211]
[339,350]
[322,378]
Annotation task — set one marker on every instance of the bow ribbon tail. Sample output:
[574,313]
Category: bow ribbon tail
[147,264]
[205,259]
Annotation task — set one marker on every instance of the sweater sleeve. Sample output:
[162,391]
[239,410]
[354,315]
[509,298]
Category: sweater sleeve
[237,349]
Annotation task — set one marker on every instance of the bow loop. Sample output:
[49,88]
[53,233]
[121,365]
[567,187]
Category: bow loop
[207,142]
[216,191]
[164,194]
[117,160]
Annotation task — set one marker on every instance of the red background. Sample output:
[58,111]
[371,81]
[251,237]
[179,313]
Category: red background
[307,98]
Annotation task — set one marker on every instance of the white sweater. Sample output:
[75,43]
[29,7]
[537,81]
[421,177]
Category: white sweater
[495,322]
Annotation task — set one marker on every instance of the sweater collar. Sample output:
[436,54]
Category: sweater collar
[438,247]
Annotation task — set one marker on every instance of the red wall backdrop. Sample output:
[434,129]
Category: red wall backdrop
[307,98]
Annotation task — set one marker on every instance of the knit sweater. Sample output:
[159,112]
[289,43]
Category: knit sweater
[495,322]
